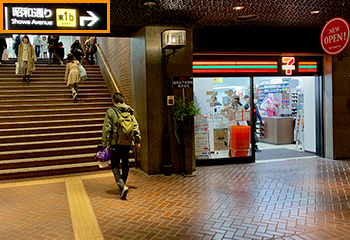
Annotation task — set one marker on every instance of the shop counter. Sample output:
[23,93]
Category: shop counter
[278,130]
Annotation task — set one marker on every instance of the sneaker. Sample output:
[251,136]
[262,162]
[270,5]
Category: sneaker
[75,97]
[124,192]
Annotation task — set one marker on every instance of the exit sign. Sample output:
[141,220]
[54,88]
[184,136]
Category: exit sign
[31,17]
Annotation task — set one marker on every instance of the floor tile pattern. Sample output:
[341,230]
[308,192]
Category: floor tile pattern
[295,199]
[35,212]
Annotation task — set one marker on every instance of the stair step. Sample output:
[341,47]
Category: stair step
[50,129]
[49,152]
[51,117]
[20,146]
[67,95]
[57,111]
[57,123]
[54,106]
[25,139]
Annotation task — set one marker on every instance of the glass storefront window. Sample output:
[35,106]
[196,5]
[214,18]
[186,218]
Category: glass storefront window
[222,130]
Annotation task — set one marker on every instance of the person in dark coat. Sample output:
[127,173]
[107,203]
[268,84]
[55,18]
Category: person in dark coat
[77,50]
[54,48]
[18,41]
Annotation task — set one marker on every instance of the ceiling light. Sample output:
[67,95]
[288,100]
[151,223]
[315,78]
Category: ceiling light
[150,4]
[246,17]
[238,8]
[315,12]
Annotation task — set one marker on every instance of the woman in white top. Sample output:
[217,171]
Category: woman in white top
[229,111]
[26,58]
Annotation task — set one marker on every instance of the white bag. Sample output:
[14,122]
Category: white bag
[5,55]
[17,68]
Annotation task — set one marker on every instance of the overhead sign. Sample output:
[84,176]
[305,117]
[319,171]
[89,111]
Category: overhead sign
[92,16]
[335,35]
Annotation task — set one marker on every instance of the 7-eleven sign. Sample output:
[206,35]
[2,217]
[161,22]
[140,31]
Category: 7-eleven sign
[289,67]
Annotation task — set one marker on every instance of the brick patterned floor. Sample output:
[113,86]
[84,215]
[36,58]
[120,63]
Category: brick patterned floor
[297,199]
[35,212]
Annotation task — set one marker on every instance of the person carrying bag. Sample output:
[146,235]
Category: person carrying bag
[120,131]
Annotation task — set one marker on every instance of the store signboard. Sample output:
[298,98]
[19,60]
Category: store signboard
[335,36]
[55,17]
[182,82]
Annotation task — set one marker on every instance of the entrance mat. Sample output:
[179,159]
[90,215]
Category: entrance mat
[280,153]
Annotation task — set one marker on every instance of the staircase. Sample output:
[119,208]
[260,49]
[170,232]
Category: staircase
[42,131]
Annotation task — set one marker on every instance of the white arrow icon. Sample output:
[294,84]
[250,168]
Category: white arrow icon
[93,19]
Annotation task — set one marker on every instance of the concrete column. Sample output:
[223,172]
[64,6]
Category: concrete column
[148,95]
[341,105]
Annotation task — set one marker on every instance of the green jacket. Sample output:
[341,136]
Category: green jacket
[111,121]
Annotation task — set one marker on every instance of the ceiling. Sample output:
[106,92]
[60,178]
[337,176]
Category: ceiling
[127,16]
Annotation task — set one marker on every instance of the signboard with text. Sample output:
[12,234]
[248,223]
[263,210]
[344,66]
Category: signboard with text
[55,17]
[335,35]
[182,82]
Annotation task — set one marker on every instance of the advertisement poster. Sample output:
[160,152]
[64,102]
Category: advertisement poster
[201,141]
[220,139]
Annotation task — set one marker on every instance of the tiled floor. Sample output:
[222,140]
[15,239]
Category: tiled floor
[293,199]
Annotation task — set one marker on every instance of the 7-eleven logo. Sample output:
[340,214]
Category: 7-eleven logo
[289,67]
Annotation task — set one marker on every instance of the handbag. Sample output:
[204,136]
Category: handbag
[82,72]
[17,68]
[103,156]
[5,55]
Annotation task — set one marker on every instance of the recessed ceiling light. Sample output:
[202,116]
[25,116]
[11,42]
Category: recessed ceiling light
[238,8]
[150,4]
[315,12]
[246,17]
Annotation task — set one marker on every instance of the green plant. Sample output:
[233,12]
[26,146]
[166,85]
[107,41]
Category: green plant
[183,111]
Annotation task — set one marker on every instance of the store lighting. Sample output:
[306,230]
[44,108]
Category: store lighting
[173,39]
[237,8]
[224,87]
[315,12]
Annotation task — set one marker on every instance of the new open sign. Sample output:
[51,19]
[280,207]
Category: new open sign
[335,36]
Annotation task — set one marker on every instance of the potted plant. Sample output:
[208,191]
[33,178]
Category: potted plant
[183,115]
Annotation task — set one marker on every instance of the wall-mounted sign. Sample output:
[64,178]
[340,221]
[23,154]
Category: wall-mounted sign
[218,66]
[182,82]
[335,35]
[289,65]
[55,17]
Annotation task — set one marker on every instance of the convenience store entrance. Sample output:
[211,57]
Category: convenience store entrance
[284,120]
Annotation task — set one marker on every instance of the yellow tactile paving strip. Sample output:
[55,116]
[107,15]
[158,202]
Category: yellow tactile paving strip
[84,221]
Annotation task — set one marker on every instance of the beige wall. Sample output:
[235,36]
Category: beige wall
[117,53]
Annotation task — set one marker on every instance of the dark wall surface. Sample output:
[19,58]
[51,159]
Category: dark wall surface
[256,40]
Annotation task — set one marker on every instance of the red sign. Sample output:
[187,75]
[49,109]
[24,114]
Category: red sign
[335,35]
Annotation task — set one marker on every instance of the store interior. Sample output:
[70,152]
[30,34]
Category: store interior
[286,104]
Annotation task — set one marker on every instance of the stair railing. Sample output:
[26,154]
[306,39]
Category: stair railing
[105,69]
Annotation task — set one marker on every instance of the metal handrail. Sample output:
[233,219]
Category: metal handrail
[106,65]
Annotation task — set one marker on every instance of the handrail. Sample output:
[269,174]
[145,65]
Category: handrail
[107,67]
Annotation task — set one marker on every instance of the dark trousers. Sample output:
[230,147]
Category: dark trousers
[37,50]
[90,58]
[120,152]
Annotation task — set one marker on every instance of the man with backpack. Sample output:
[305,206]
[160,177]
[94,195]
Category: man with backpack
[120,130]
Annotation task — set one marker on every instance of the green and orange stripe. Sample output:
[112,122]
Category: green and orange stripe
[307,66]
[234,67]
